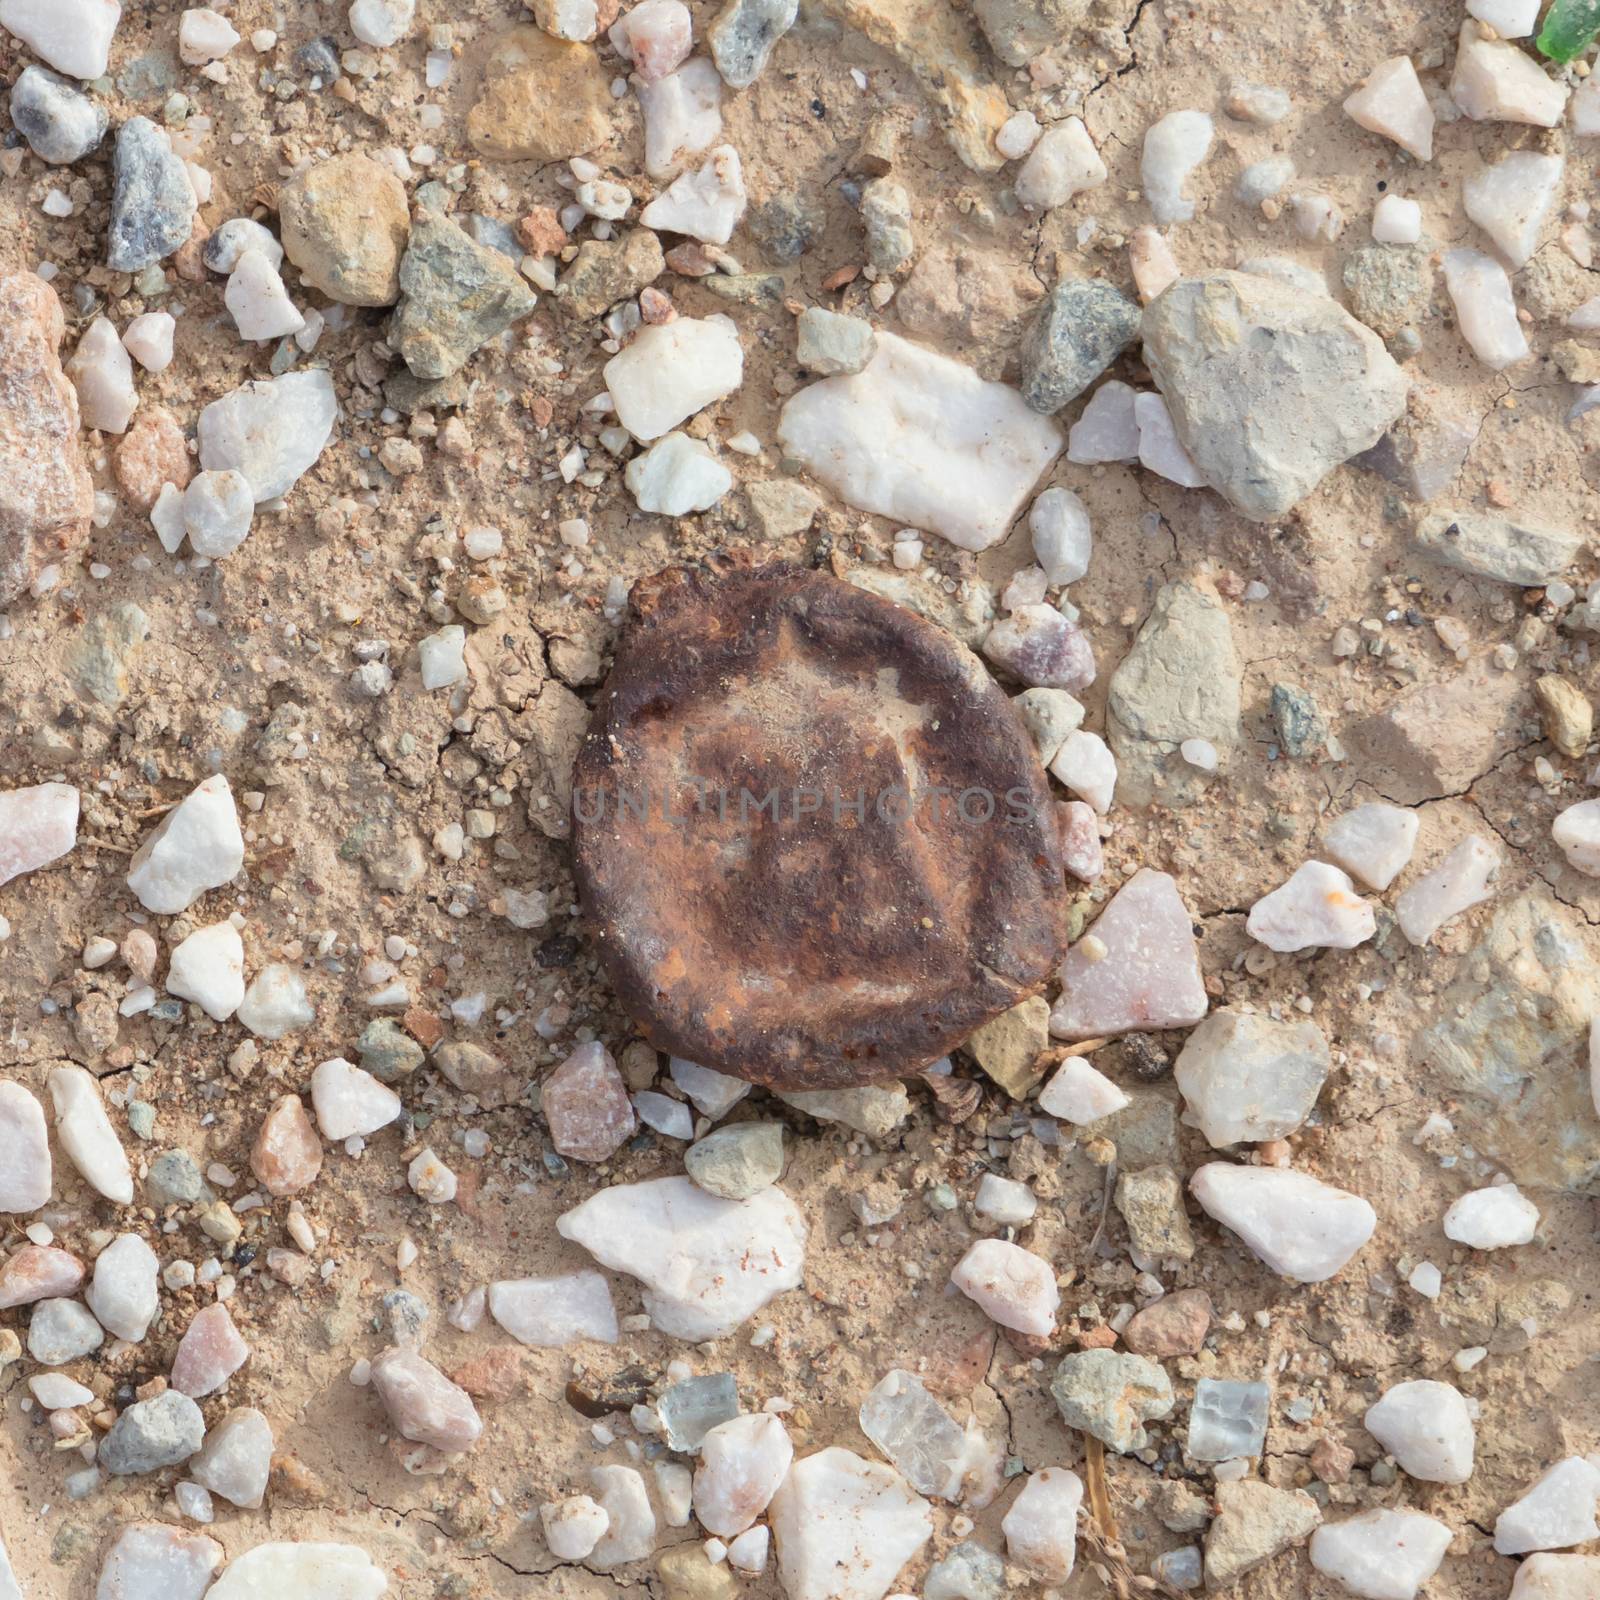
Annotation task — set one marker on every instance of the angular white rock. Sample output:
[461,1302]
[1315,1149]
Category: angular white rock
[1086,767]
[1080,1094]
[441,657]
[218,508]
[551,1313]
[1459,882]
[669,1117]
[1480,291]
[918,1436]
[208,968]
[275,1004]
[1317,909]
[1160,449]
[272,430]
[677,475]
[1063,163]
[706,1263]
[655,37]
[1547,1577]
[1396,220]
[672,370]
[713,1094]
[1063,538]
[38,825]
[236,1459]
[1511,19]
[125,1294]
[682,115]
[195,847]
[1577,831]
[845,1527]
[55,1391]
[150,1561]
[1373,841]
[1299,1226]
[630,1523]
[102,373]
[1586,108]
[1010,1285]
[382,23]
[60,1331]
[274,1571]
[1559,1510]
[430,1179]
[1391,103]
[1108,428]
[1173,148]
[1495,81]
[1427,1427]
[1381,1555]
[1246,1078]
[573,1527]
[204,35]
[706,204]
[1511,200]
[166,517]
[73,36]
[920,438]
[742,1462]
[747,1553]
[25,1171]
[84,1132]
[1492,1218]
[1041,1527]
[148,339]
[1004,1200]
[350,1102]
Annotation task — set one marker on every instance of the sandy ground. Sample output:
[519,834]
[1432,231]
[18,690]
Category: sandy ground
[245,673]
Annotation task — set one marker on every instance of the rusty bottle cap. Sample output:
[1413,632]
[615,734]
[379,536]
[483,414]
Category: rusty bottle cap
[810,834]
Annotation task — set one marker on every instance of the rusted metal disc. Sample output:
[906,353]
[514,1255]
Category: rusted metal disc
[813,840]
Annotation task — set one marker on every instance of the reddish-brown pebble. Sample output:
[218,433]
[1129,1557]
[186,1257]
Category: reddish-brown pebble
[288,1152]
[1175,1325]
[152,453]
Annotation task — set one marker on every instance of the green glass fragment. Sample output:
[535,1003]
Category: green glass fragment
[1569,29]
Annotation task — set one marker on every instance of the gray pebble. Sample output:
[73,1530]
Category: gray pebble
[744,34]
[59,121]
[1082,327]
[152,1434]
[737,1162]
[152,200]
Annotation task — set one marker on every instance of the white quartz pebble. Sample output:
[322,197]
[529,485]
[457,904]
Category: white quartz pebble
[258,302]
[713,1094]
[124,1295]
[1004,1200]
[204,35]
[1373,841]
[1381,1555]
[1459,882]
[102,373]
[233,238]
[705,204]
[1063,539]
[208,968]
[1511,19]
[1495,81]
[1427,1427]
[84,1132]
[148,339]
[60,1331]
[236,1459]
[150,1561]
[573,1527]
[25,1170]
[1480,291]
[1391,103]
[1041,1526]
[382,22]
[55,1391]
[630,1523]
[1160,449]
[430,1179]
[1396,220]
[682,115]
[275,1571]
[677,475]
[195,847]
[742,1462]
[1547,1577]
[1577,831]
[552,1313]
[275,1004]
[845,1527]
[1492,1218]
[748,1553]
[1079,1094]
[1317,909]
[668,1117]
[672,370]
[1511,200]
[922,439]
[38,825]
[655,37]
[1559,1510]
[73,36]
[1062,164]
[1299,1226]
[1010,1285]
[1173,148]
[350,1102]
[1586,108]
[1108,427]
[441,657]
[1017,135]
[273,429]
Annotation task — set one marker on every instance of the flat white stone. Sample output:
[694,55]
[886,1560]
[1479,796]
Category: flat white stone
[125,1294]
[1559,1510]
[1085,766]
[25,1170]
[208,968]
[350,1102]
[1458,883]
[1427,1427]
[60,1331]
[84,1132]
[441,657]
[1492,1218]
[677,475]
[1511,200]
[845,1527]
[166,517]
[38,825]
[1396,220]
[922,439]
[102,373]
[55,1391]
[1391,103]
[1063,163]
[1160,449]
[671,370]
[272,430]
[705,204]
[148,339]
[204,35]
[573,1527]
[1546,1577]
[655,37]
[1063,538]
[382,23]
[1041,1525]
[1587,316]
[1010,1285]
[195,847]
[1317,909]
[918,1436]
[630,1523]
[1381,1555]
[1299,1226]
[1586,108]
[275,1571]
[1511,19]
[150,1561]
[1004,1200]
[1486,313]
[551,1313]
[748,1553]
[1108,428]
[1577,831]
[275,1003]
[236,1459]
[713,1094]
[218,508]
[1079,1094]
[209,1353]
[73,36]
[742,1462]
[668,1117]
[1246,1078]
[682,115]
[707,1264]
[1495,81]
[1373,841]
[1173,148]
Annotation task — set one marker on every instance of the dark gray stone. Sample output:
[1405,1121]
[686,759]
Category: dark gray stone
[319,61]
[786,226]
[744,34]
[1302,728]
[1082,327]
[387,1051]
[152,201]
[152,1434]
[59,121]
